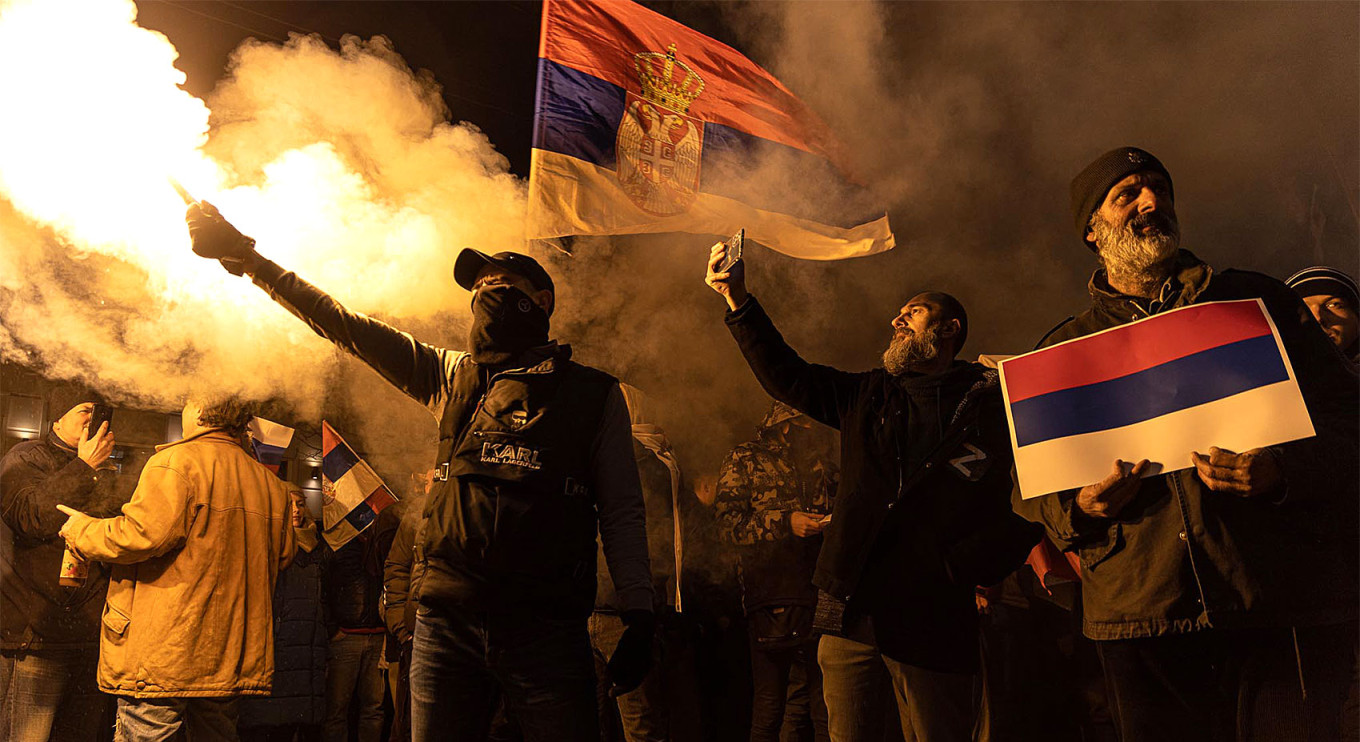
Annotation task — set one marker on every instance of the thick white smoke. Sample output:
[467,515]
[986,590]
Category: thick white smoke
[342,164]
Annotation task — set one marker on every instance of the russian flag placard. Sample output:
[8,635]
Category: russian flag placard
[642,125]
[352,494]
[269,440]
[1213,374]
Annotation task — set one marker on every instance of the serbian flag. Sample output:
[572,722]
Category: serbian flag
[1213,374]
[644,125]
[352,494]
[269,440]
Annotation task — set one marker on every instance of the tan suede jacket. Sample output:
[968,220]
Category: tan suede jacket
[196,553]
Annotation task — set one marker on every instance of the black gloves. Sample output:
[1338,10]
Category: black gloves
[632,658]
[214,237]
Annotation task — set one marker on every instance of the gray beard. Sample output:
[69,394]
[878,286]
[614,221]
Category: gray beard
[910,350]
[1129,257]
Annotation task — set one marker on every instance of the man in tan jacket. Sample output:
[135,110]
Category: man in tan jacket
[187,628]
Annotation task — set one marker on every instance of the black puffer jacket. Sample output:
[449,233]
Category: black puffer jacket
[1181,557]
[922,514]
[298,695]
[35,611]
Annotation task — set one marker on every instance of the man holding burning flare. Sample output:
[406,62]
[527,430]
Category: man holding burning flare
[532,446]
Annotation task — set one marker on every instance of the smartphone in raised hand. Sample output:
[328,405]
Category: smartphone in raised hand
[733,254]
[101,414]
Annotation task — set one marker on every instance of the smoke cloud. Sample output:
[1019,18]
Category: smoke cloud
[969,120]
[966,120]
[342,164]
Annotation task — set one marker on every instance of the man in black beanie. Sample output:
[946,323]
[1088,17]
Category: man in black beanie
[535,452]
[1216,594]
[1332,300]
[49,633]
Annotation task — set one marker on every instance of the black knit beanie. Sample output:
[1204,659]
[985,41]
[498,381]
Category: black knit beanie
[1323,280]
[1091,185]
[64,398]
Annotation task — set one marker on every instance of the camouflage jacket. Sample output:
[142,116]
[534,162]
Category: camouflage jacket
[760,486]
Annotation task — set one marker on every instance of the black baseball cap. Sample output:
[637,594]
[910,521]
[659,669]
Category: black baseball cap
[471,262]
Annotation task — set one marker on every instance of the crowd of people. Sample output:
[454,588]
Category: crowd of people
[559,576]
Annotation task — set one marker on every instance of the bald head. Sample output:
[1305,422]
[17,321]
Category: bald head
[927,334]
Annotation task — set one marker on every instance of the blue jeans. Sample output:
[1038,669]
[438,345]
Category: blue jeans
[50,694]
[163,719]
[463,661]
[352,674]
[861,687]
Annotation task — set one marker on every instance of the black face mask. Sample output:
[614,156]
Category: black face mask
[505,323]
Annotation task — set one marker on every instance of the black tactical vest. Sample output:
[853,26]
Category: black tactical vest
[512,514]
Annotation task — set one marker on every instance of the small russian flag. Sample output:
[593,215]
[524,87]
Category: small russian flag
[269,440]
[352,493]
[1213,374]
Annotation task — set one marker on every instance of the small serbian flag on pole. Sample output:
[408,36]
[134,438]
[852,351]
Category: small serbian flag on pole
[269,441]
[352,494]
[1213,374]
[642,125]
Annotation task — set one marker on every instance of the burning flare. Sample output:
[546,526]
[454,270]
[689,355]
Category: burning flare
[343,165]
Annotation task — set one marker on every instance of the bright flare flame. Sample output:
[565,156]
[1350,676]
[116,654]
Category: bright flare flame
[95,125]
[342,165]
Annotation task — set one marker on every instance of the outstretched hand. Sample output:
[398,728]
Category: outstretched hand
[74,521]
[214,237]
[731,284]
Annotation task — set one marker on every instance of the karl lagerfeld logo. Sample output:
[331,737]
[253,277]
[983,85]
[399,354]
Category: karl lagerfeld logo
[511,455]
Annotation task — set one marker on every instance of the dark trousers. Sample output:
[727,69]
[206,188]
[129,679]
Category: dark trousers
[50,695]
[463,661]
[399,682]
[1231,686]
[787,702]
[353,677]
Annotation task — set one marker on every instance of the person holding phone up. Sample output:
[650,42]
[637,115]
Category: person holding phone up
[922,514]
[49,633]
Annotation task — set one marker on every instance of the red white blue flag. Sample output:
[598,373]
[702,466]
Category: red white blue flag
[642,125]
[1213,374]
[352,494]
[269,440]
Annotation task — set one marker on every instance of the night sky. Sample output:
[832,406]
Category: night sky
[484,54]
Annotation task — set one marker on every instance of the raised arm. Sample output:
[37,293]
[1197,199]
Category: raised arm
[421,371]
[821,392]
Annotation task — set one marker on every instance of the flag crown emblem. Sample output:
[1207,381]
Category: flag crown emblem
[656,72]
